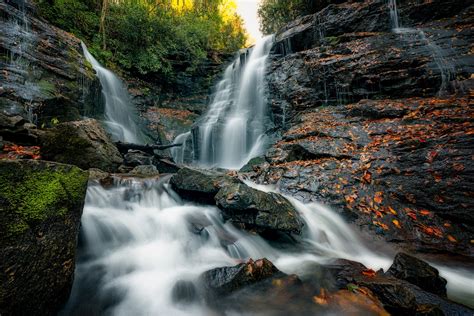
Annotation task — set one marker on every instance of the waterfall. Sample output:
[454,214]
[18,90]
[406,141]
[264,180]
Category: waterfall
[446,68]
[179,153]
[233,129]
[22,41]
[139,240]
[120,116]
[394,17]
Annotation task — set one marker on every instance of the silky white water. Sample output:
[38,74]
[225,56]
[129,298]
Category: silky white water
[119,113]
[233,129]
[139,239]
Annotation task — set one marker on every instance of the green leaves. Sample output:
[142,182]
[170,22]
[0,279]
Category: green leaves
[151,37]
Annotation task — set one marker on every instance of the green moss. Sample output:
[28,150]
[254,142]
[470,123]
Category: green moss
[37,194]
[47,88]
[332,40]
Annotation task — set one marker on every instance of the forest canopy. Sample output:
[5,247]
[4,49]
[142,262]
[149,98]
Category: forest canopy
[274,14]
[159,37]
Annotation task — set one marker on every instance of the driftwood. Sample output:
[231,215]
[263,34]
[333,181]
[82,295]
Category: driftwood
[125,147]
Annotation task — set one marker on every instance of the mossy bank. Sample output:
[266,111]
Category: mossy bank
[40,210]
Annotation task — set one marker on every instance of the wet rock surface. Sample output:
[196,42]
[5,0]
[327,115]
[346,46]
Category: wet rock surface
[40,209]
[43,75]
[223,281]
[377,123]
[82,143]
[341,287]
[255,210]
[417,272]
[200,185]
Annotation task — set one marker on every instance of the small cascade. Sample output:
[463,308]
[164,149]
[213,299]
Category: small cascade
[120,116]
[446,69]
[139,240]
[394,17]
[179,154]
[23,42]
[233,129]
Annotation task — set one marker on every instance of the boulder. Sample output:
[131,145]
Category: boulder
[166,166]
[200,185]
[135,158]
[256,210]
[418,272]
[15,128]
[105,179]
[40,210]
[220,282]
[145,171]
[81,143]
[398,296]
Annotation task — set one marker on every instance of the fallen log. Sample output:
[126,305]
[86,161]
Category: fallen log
[125,147]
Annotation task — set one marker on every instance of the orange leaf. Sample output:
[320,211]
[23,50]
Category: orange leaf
[396,223]
[425,212]
[392,210]
[369,273]
[452,239]
[367,177]
[412,216]
[378,197]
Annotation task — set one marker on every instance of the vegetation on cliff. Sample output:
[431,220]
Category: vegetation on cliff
[159,38]
[276,13]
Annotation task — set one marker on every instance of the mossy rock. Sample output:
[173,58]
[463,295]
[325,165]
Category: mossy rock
[249,166]
[40,210]
[81,143]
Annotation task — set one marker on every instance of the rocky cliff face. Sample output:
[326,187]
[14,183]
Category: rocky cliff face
[43,74]
[377,122]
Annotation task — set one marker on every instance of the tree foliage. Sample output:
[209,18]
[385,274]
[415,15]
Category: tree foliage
[157,37]
[274,14]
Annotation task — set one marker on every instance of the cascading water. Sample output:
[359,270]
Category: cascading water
[446,69]
[22,42]
[120,117]
[394,17]
[233,129]
[139,240]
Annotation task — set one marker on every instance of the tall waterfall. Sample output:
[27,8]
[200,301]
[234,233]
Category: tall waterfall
[233,129]
[120,117]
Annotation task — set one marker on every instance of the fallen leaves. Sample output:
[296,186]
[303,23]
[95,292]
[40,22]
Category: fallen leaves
[431,231]
[20,152]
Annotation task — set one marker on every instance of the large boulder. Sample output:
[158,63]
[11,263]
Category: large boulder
[398,296]
[40,210]
[418,272]
[200,185]
[81,143]
[257,210]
